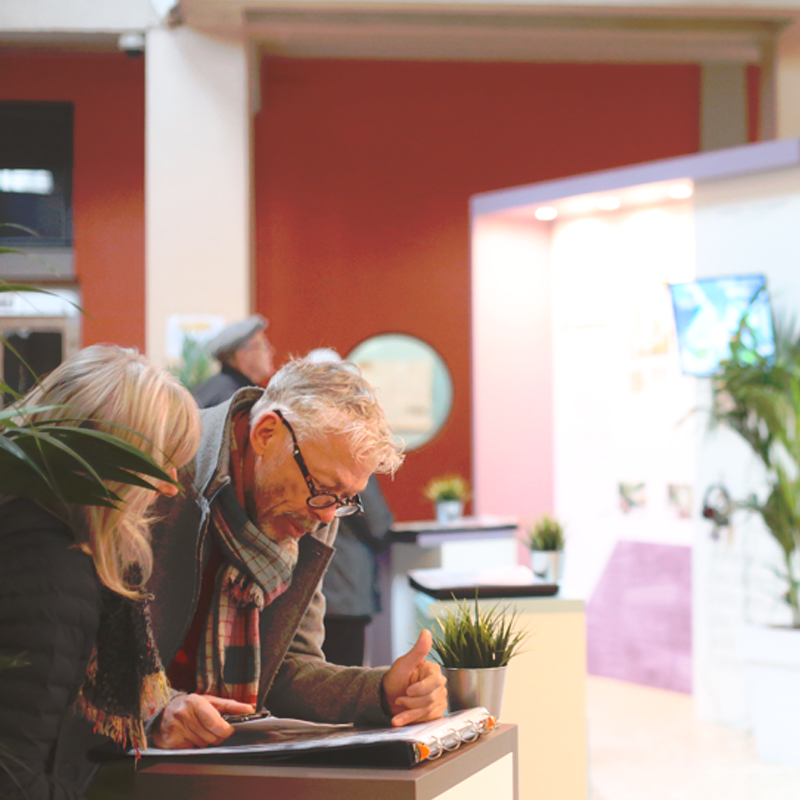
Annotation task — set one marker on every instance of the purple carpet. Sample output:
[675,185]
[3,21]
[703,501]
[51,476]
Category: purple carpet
[639,620]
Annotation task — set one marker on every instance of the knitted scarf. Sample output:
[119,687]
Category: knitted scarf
[125,682]
[256,571]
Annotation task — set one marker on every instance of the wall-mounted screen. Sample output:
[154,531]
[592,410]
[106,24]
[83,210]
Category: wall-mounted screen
[708,313]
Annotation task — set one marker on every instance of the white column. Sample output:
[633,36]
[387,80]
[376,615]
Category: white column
[723,106]
[197,180]
[788,81]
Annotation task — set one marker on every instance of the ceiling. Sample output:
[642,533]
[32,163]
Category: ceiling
[492,31]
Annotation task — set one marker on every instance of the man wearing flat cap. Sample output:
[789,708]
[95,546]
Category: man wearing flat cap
[246,357]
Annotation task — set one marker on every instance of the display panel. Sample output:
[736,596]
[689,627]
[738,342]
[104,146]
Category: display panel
[708,313]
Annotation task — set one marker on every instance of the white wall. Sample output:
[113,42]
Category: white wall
[622,407]
[788,86]
[749,224]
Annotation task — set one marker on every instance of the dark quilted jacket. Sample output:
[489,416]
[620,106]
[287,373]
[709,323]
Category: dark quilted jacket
[49,610]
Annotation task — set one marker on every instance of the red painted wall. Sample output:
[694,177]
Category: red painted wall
[363,174]
[107,90]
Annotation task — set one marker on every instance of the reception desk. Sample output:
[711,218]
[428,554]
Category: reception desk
[485,768]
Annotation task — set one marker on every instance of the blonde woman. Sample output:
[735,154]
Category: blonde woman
[73,581]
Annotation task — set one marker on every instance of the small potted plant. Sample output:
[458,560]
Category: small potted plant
[473,646]
[448,494]
[546,543]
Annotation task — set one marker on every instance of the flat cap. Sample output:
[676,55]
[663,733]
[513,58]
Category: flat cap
[230,339]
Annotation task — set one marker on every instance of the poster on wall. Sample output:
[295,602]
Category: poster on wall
[405,387]
[200,327]
[632,496]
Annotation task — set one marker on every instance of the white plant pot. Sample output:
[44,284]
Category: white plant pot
[548,565]
[449,510]
[772,665]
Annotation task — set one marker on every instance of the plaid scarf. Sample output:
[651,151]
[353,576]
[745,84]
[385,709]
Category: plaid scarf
[255,572]
[125,682]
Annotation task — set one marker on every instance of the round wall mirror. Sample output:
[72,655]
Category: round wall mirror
[412,382]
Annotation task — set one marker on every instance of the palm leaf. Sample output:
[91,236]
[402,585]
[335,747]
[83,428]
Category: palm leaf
[72,464]
[758,397]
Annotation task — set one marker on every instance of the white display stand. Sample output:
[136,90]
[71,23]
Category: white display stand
[568,354]
[462,544]
[545,693]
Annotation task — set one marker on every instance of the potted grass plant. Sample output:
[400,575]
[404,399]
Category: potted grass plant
[546,543]
[474,645]
[448,493]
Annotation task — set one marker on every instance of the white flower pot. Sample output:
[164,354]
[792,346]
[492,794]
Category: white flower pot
[449,510]
[548,565]
[772,665]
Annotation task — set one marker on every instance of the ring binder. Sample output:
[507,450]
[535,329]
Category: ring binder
[276,739]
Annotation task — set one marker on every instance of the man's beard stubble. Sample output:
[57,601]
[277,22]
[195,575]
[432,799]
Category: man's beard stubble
[268,494]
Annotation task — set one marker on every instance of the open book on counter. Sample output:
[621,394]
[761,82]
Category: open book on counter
[279,739]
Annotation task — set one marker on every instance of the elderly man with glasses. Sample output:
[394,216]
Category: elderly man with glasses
[237,608]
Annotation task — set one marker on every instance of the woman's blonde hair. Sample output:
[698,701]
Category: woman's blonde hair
[119,391]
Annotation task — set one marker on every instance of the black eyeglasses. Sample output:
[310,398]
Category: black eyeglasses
[317,498]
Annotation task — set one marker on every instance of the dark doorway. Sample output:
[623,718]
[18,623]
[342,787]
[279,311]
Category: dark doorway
[29,353]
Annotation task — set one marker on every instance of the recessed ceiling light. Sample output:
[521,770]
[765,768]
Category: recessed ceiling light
[680,191]
[546,213]
[579,205]
[648,194]
[608,203]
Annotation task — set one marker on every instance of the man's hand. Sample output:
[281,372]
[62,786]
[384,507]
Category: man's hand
[415,688]
[194,720]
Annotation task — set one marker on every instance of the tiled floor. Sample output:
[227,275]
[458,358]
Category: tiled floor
[646,744]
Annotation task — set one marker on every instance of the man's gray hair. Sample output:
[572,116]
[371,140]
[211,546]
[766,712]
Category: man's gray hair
[332,397]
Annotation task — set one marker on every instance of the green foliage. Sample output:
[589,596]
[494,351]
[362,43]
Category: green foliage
[196,364]
[546,533]
[485,638]
[68,463]
[447,487]
[759,398]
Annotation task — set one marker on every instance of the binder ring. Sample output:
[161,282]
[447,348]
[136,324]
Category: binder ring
[455,740]
[471,733]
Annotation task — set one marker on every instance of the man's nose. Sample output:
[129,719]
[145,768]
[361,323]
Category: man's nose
[325,515]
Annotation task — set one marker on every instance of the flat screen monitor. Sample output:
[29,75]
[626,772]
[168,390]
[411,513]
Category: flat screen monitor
[708,313]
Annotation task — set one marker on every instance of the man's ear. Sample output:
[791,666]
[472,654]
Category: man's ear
[263,433]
